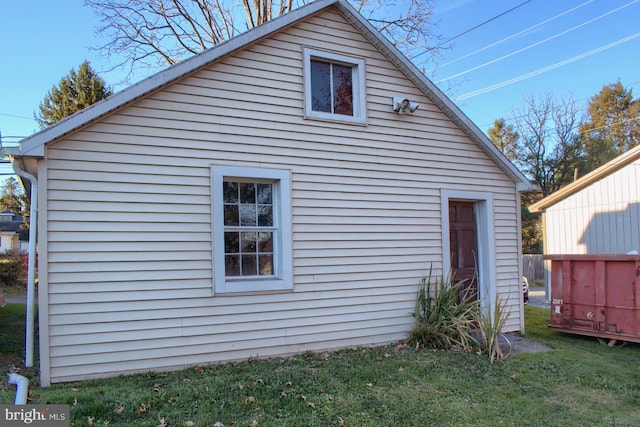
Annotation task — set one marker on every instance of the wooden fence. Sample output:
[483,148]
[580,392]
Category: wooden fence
[533,267]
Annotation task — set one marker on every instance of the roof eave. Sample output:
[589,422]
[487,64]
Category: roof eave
[34,144]
[596,175]
[436,96]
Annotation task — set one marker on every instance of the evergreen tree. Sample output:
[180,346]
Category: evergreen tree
[612,127]
[75,92]
[531,224]
[13,199]
[11,196]
[505,138]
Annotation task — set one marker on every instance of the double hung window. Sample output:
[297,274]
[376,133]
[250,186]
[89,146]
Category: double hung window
[252,231]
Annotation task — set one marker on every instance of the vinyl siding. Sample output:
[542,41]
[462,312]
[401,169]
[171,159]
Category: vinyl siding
[128,215]
[599,219]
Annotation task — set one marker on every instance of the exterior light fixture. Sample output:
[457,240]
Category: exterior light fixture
[401,105]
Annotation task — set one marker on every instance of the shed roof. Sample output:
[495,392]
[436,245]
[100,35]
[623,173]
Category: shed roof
[33,146]
[593,176]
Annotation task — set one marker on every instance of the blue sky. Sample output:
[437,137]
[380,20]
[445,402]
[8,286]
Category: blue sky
[583,45]
[566,48]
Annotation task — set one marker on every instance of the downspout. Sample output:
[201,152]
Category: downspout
[22,388]
[30,334]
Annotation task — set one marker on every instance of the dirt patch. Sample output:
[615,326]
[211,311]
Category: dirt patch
[9,360]
[513,344]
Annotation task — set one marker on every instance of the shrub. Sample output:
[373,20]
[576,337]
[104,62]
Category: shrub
[12,270]
[442,319]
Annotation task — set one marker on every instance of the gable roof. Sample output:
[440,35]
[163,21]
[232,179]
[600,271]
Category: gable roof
[602,172]
[33,146]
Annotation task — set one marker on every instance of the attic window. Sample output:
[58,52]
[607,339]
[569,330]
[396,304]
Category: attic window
[334,87]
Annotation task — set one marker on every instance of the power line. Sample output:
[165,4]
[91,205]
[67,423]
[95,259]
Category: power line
[471,29]
[16,117]
[511,119]
[545,69]
[632,119]
[537,43]
[519,33]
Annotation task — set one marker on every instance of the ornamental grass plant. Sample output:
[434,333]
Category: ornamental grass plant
[444,315]
[490,324]
[577,383]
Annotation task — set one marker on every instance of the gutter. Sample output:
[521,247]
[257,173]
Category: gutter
[30,334]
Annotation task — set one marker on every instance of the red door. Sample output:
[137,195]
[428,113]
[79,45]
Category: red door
[464,247]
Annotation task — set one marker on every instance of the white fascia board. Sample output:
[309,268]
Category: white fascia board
[34,145]
[436,95]
[11,151]
[596,175]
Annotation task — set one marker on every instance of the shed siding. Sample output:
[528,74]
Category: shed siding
[129,215]
[600,219]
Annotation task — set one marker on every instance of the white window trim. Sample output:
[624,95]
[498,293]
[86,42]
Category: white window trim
[359,94]
[283,277]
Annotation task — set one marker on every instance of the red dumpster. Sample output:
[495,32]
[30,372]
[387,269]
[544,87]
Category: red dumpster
[596,295]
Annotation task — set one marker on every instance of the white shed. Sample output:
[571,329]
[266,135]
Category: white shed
[229,208]
[598,213]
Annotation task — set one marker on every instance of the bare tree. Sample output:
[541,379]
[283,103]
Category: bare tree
[550,145]
[157,33]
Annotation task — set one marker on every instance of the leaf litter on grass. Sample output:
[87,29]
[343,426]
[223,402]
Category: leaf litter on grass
[388,385]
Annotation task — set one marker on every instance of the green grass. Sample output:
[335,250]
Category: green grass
[12,330]
[578,383]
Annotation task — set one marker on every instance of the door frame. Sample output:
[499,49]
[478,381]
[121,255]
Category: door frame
[483,209]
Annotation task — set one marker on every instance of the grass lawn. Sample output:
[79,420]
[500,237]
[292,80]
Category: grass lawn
[578,383]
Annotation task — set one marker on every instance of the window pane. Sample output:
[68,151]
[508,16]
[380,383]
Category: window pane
[232,265]
[321,86]
[247,193]
[231,242]
[230,191]
[247,205]
[265,265]
[249,265]
[342,90]
[231,215]
[248,242]
[248,215]
[264,194]
[265,216]
[265,242]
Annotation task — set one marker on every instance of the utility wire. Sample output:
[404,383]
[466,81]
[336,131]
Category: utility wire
[519,33]
[545,69]
[511,119]
[537,43]
[632,119]
[471,29]
[16,117]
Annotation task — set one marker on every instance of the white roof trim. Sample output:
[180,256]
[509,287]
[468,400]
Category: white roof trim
[436,96]
[596,175]
[34,145]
